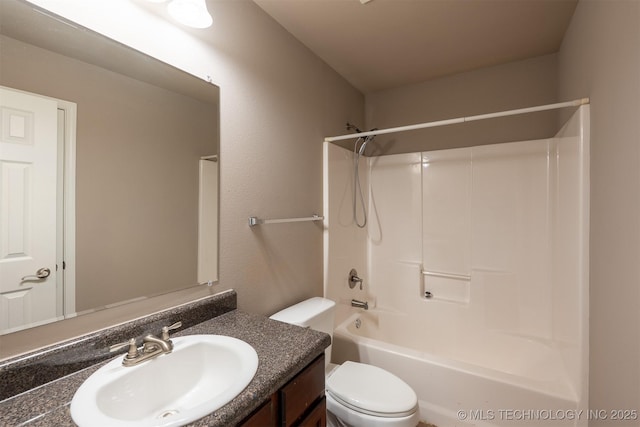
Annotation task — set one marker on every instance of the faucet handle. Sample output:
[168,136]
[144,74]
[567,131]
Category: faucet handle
[166,329]
[133,348]
[354,279]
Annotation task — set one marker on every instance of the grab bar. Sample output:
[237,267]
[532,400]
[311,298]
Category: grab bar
[446,275]
[253,221]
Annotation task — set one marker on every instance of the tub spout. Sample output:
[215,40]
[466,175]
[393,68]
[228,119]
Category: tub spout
[359,304]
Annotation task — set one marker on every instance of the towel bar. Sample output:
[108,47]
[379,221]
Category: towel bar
[253,221]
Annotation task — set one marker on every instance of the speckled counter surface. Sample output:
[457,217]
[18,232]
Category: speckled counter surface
[283,350]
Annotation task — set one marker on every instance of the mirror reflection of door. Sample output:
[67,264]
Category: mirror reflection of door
[31,214]
[208,220]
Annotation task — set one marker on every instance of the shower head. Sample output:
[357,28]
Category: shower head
[367,140]
[364,144]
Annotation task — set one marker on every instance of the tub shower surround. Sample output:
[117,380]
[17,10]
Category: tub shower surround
[476,271]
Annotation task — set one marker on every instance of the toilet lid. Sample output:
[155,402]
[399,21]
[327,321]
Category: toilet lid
[371,390]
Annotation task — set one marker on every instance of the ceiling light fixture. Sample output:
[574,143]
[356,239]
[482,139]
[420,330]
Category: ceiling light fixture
[192,13]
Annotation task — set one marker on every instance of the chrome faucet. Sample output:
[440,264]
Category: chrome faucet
[152,347]
[354,279]
[359,304]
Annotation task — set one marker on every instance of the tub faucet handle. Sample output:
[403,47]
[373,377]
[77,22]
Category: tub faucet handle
[354,279]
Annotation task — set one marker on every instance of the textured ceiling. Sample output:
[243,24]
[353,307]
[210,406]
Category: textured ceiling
[389,43]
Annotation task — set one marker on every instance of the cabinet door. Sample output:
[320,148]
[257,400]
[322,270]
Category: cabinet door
[302,392]
[264,416]
[317,417]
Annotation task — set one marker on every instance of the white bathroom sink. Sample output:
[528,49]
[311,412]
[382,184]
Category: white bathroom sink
[203,373]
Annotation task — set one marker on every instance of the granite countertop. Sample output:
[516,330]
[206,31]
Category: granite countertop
[283,350]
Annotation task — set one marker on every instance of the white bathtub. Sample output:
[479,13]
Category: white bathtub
[463,378]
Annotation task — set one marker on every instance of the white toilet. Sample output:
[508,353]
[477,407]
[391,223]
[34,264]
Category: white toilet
[357,394]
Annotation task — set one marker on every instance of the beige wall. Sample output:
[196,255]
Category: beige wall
[503,87]
[137,152]
[278,101]
[600,58]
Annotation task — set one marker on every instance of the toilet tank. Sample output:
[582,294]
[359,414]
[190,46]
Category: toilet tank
[316,313]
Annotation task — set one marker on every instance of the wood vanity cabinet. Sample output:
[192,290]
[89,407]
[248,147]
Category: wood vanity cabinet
[300,402]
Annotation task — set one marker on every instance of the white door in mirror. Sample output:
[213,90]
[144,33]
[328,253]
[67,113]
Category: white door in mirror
[202,374]
[28,163]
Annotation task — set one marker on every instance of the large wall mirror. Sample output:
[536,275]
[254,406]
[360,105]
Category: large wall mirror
[108,172]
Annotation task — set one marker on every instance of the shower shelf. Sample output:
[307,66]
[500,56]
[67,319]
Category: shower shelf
[446,275]
[253,221]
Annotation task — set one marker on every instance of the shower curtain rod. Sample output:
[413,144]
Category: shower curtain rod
[575,103]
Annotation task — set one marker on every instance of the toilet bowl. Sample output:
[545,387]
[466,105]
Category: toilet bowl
[357,394]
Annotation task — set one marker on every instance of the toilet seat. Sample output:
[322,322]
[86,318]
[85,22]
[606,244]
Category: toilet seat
[371,390]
